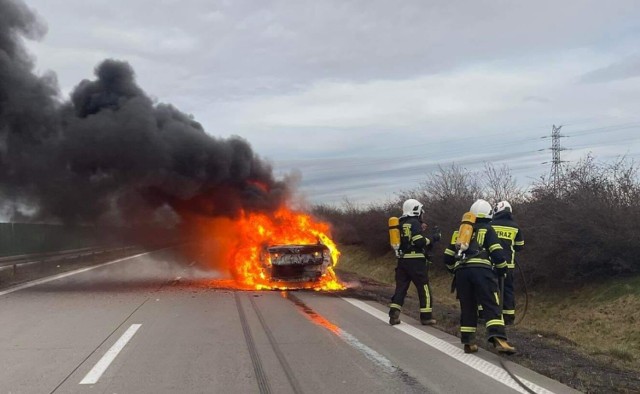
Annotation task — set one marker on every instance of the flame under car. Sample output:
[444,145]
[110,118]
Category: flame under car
[298,263]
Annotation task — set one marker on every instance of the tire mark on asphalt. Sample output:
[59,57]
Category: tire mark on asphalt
[295,385]
[411,384]
[263,383]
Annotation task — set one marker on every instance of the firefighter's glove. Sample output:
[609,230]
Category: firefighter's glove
[436,234]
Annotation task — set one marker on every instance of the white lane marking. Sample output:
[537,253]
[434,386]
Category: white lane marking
[369,353]
[64,275]
[493,371]
[96,372]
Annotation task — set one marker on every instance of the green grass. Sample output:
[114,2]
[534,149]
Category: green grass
[621,352]
[354,259]
[617,288]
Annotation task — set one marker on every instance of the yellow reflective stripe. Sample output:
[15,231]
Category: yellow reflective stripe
[467,329]
[511,265]
[428,294]
[478,261]
[481,234]
[416,237]
[480,307]
[497,298]
[495,322]
[451,266]
[501,265]
[508,312]
[426,310]
[392,305]
[449,252]
[454,237]
[494,247]
[413,255]
[519,243]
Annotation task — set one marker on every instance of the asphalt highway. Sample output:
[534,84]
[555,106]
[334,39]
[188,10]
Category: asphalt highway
[148,325]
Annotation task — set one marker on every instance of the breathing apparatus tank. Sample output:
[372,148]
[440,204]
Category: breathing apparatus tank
[465,233]
[394,234]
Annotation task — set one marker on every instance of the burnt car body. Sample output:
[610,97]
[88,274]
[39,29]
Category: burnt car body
[297,263]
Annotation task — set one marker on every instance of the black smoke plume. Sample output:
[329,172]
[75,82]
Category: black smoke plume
[111,155]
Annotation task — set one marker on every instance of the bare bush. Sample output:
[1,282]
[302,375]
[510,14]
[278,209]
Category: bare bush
[499,184]
[585,229]
[589,230]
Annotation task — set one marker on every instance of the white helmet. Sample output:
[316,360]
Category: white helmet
[481,209]
[412,207]
[502,206]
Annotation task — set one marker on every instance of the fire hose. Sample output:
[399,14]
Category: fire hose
[501,357]
[526,295]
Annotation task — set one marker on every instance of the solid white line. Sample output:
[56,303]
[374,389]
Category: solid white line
[64,275]
[96,372]
[493,371]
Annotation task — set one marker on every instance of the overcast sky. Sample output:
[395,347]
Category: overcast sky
[365,98]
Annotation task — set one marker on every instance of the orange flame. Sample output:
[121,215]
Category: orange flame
[239,246]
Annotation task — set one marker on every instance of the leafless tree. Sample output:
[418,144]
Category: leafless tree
[452,183]
[499,184]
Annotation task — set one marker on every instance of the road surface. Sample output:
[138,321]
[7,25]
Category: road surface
[148,325]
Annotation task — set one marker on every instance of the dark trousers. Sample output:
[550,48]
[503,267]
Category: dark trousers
[509,307]
[478,286]
[413,270]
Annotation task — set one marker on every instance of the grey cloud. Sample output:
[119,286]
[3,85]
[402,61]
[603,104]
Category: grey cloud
[211,55]
[627,68]
[294,43]
[536,99]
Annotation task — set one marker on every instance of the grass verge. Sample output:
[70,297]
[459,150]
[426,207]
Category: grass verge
[586,337]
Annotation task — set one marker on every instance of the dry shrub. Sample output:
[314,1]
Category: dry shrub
[584,228]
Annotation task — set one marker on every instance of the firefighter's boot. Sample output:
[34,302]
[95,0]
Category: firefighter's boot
[394,316]
[502,346]
[470,348]
[426,319]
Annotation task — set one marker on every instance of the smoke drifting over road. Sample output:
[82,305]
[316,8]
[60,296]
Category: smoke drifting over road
[111,154]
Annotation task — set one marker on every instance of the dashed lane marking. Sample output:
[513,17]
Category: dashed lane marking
[96,372]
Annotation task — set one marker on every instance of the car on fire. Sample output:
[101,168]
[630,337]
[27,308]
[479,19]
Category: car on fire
[297,263]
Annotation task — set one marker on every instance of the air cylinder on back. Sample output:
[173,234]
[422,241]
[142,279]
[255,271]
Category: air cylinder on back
[465,232]
[394,233]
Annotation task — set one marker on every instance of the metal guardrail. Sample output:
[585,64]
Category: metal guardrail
[36,258]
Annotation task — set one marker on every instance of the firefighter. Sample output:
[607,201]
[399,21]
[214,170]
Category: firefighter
[412,263]
[511,240]
[476,274]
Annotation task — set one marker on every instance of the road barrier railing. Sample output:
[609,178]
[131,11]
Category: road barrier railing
[14,262]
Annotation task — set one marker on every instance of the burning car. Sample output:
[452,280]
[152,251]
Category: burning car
[297,263]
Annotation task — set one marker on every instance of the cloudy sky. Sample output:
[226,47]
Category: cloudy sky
[365,98]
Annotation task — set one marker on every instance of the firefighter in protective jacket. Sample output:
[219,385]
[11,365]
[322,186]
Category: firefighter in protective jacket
[476,281]
[412,263]
[512,241]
